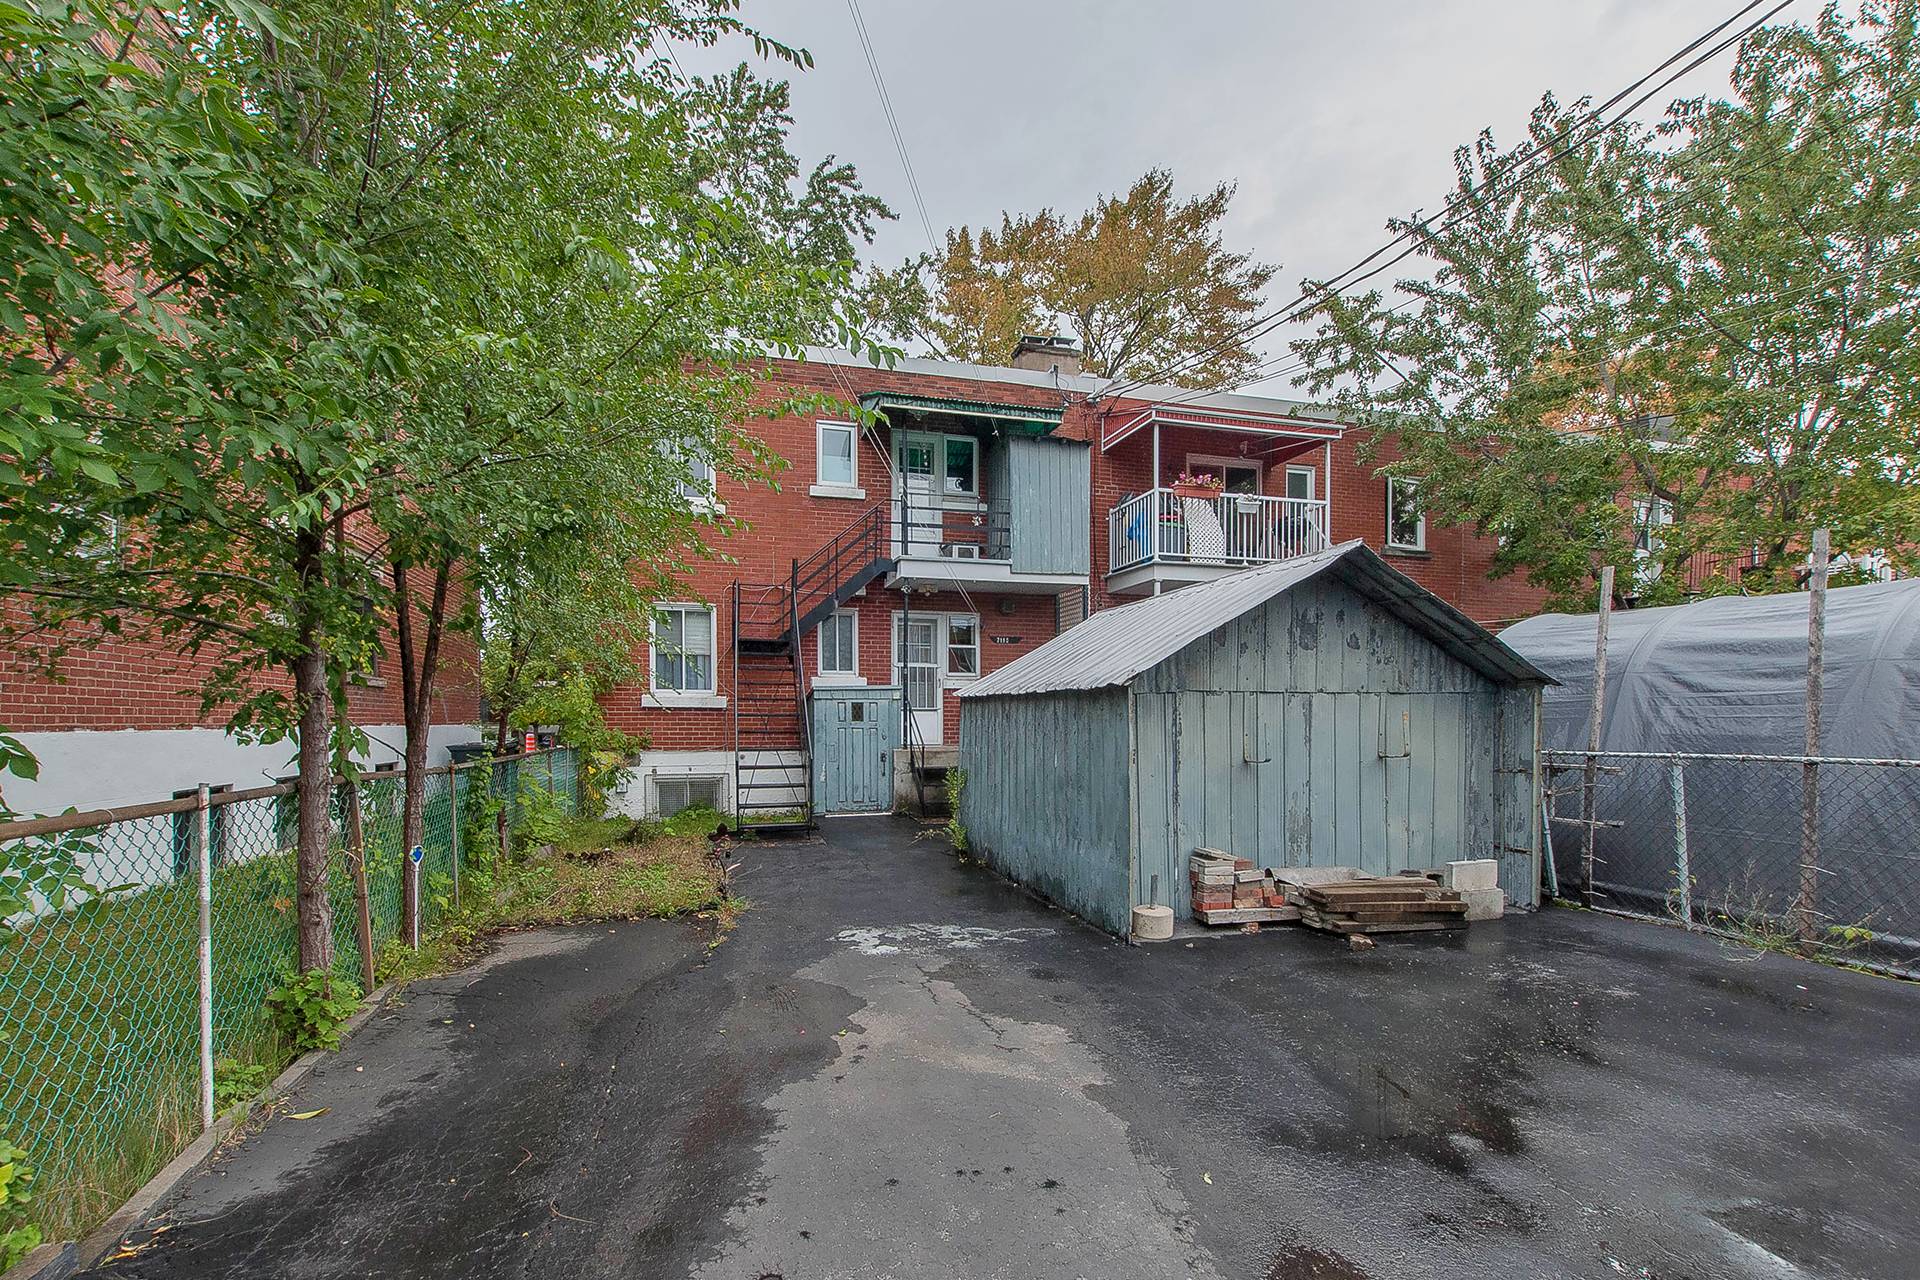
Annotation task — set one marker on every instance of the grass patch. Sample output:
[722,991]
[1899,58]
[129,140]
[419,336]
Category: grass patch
[594,869]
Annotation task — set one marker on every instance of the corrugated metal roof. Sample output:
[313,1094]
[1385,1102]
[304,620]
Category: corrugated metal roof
[1115,645]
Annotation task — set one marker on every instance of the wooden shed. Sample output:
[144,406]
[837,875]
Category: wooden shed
[1323,711]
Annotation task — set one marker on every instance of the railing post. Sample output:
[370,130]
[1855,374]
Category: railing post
[1683,873]
[203,872]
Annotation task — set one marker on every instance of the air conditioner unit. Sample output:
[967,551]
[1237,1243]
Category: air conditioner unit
[959,551]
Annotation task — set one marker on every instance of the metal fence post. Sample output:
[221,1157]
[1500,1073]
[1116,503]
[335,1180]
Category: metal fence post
[203,870]
[1681,870]
[1590,777]
[453,828]
[362,898]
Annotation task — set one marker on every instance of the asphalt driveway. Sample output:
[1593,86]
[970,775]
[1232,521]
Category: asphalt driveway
[899,1066]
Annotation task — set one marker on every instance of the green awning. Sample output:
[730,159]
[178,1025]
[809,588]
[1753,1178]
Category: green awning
[1019,417]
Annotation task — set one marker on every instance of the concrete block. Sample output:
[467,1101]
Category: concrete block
[1480,873]
[1484,904]
[1152,923]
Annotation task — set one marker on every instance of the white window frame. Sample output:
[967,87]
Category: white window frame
[1419,542]
[823,674]
[823,487]
[946,646]
[704,698]
[1313,481]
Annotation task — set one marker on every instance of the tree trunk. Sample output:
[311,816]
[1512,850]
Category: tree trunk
[314,791]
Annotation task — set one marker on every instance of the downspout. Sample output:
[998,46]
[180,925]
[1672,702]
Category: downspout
[1133,803]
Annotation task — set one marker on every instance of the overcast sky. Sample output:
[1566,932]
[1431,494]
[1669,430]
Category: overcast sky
[1329,116]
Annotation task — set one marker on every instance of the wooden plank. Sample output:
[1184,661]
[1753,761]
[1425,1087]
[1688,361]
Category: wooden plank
[1248,915]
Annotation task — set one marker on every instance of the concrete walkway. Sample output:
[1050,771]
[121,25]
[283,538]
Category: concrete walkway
[898,1066]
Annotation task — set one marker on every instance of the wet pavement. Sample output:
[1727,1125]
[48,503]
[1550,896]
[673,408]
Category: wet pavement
[900,1066]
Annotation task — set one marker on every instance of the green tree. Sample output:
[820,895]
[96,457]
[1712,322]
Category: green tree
[1144,280]
[452,252]
[1711,320]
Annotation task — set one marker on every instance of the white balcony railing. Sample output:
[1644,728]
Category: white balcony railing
[1229,529]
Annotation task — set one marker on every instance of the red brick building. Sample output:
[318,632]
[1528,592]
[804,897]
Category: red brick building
[989,510]
[120,722]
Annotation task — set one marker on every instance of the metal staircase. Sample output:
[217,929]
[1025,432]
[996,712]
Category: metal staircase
[772,732]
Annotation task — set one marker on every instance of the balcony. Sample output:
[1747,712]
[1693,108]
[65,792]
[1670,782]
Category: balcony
[948,543]
[1160,538]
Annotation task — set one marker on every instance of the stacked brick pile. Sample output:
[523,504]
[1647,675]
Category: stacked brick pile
[1230,890]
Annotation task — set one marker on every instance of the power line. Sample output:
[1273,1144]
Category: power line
[893,122]
[1279,366]
[1546,152]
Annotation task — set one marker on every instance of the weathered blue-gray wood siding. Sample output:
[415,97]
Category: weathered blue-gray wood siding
[1320,730]
[1314,730]
[1045,486]
[1045,799]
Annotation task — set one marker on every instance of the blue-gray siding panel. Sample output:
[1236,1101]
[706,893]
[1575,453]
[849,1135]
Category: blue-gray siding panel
[1046,799]
[1047,492]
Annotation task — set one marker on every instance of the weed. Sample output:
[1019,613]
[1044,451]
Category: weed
[312,1009]
[17,1235]
[956,782]
[235,1081]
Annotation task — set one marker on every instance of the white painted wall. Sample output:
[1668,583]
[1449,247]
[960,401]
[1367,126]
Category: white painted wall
[93,769]
[633,793]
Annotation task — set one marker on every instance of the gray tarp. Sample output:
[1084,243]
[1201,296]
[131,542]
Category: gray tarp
[1728,675]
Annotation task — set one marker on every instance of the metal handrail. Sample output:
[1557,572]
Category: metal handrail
[928,525]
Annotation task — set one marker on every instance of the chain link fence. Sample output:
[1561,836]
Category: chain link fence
[1810,854]
[102,1055]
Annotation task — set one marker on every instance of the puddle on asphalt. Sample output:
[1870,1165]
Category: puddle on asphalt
[1303,1262]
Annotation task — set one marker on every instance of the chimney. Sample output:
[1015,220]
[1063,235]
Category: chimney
[1046,353]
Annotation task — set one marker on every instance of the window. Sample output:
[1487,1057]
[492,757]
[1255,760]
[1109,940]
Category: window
[840,644]
[683,649]
[1650,516]
[676,795]
[1235,477]
[1406,522]
[1300,483]
[835,466]
[963,457]
[698,485]
[963,646]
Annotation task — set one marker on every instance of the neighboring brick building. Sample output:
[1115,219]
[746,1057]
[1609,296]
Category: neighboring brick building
[121,723]
[991,509]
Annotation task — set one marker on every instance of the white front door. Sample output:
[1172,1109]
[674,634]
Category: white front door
[919,655]
[917,463]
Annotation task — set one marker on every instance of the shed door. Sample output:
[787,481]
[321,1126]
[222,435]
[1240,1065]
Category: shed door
[855,731]
[1374,781]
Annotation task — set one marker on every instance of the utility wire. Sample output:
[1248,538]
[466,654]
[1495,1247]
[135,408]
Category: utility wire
[1279,365]
[1531,162]
[893,122]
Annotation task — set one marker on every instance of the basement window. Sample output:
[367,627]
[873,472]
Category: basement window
[676,795]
